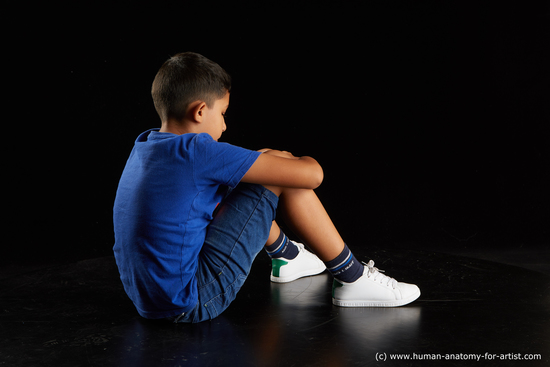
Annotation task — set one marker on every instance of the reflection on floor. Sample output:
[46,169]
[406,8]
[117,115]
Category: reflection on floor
[78,315]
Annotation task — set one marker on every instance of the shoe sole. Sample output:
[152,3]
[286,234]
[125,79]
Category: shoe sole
[363,303]
[297,276]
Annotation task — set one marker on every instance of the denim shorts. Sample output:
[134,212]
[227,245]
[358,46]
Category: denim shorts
[235,236]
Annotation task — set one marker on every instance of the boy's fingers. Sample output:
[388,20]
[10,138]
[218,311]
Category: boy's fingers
[278,153]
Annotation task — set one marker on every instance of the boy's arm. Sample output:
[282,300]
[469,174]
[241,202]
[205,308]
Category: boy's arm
[278,168]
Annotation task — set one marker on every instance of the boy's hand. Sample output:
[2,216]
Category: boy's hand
[278,153]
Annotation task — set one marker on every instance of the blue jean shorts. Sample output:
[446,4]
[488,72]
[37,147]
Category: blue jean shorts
[235,236]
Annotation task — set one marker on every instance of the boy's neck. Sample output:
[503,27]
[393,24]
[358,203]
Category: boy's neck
[175,128]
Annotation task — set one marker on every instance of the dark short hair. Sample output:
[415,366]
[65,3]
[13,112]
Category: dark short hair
[184,78]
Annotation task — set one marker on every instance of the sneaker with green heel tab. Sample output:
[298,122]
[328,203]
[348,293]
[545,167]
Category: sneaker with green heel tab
[303,265]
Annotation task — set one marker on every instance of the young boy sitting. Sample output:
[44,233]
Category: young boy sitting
[191,214]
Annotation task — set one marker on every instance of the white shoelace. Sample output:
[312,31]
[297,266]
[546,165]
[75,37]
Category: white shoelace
[300,246]
[378,276]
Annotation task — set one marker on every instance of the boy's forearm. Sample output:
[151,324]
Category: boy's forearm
[298,172]
[284,154]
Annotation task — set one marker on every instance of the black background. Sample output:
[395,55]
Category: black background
[430,119]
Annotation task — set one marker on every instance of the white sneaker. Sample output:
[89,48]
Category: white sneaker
[303,265]
[373,289]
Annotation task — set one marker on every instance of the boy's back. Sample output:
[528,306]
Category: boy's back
[165,200]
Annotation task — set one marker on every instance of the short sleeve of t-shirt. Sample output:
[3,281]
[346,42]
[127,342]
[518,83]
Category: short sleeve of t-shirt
[221,163]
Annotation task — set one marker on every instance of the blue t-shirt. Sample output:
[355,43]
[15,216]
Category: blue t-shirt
[164,203]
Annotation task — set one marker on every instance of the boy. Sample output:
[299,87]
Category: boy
[191,214]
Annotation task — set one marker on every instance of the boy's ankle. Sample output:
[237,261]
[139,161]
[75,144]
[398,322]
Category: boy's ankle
[282,248]
[345,267]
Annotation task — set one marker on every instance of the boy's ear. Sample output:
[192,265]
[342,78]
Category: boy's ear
[196,111]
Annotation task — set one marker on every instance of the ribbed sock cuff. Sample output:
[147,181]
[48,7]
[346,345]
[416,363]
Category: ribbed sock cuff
[282,248]
[345,266]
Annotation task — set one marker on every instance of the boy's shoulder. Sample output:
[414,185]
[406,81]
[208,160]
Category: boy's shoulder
[192,143]
[154,135]
[209,160]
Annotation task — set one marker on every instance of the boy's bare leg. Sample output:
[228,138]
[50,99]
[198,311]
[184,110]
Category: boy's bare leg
[273,233]
[306,216]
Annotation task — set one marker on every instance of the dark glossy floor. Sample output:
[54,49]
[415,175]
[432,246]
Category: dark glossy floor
[78,315]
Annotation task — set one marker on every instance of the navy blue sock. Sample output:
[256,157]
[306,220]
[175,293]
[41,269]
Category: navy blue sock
[282,247]
[345,266]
